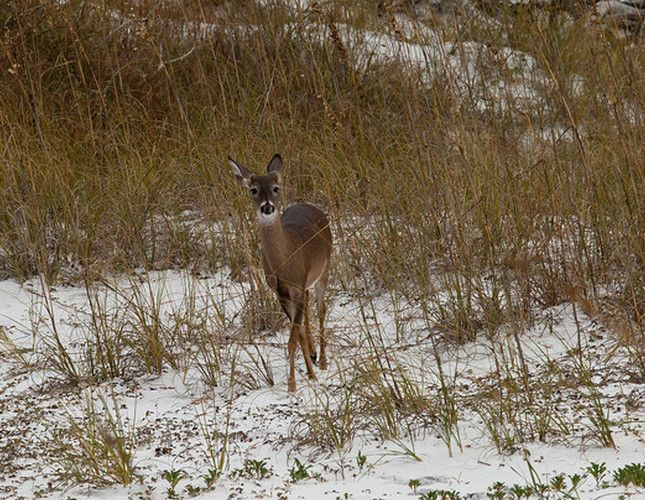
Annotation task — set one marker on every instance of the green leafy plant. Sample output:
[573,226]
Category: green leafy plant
[299,471]
[414,484]
[253,469]
[521,491]
[575,479]
[558,482]
[173,477]
[496,491]
[632,474]
[193,491]
[597,471]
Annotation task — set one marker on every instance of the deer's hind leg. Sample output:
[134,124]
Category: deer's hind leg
[321,287]
[301,334]
[310,338]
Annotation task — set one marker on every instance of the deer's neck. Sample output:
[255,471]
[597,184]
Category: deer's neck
[274,244]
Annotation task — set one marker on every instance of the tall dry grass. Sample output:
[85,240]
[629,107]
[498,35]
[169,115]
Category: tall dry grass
[115,117]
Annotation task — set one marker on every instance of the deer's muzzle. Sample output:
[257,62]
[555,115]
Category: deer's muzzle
[267,208]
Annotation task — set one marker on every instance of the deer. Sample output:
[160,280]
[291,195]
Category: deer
[296,252]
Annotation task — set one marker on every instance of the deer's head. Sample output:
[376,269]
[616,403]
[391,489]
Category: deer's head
[264,189]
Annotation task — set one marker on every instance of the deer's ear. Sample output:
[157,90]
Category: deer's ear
[275,165]
[242,174]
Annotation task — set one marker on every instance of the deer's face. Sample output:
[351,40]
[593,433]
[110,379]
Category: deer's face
[265,193]
[264,189]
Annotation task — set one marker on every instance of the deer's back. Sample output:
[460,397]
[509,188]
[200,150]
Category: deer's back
[308,225]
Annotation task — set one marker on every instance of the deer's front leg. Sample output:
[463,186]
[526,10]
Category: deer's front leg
[289,307]
[292,303]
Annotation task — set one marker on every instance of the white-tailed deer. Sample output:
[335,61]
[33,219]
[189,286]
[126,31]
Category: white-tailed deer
[296,248]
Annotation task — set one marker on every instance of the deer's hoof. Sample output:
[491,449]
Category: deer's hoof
[292,386]
[323,363]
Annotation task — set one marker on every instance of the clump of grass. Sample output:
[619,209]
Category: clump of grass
[123,327]
[517,407]
[216,440]
[97,447]
[255,370]
[600,423]
[11,351]
[58,353]
[332,423]
[390,402]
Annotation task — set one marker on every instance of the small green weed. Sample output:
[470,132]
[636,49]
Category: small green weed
[521,491]
[173,477]
[193,491]
[558,483]
[597,471]
[564,486]
[211,477]
[361,460]
[414,484]
[575,479]
[299,471]
[496,491]
[253,469]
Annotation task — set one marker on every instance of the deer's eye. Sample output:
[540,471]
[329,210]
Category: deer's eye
[276,189]
[254,191]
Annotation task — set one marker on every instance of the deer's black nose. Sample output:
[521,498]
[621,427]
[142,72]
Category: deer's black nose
[267,209]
